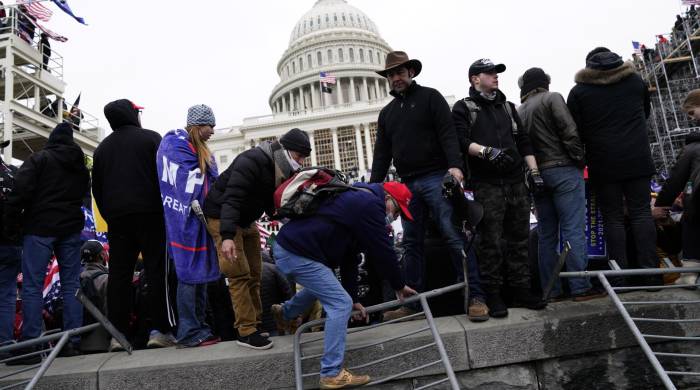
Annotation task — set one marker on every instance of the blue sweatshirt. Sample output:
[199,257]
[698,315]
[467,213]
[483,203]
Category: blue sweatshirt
[345,225]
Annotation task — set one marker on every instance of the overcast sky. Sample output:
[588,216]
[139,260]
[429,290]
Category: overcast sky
[169,55]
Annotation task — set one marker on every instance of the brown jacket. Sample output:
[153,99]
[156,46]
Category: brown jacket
[552,130]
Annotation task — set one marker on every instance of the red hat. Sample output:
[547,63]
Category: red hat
[401,194]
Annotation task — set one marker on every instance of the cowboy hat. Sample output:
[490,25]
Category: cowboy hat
[396,59]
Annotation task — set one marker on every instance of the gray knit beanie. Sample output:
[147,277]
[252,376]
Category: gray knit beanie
[200,115]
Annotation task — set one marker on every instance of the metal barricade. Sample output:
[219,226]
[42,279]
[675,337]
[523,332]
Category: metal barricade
[631,322]
[450,378]
[60,339]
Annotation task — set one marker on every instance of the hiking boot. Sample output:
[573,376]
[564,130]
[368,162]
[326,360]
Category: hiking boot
[16,360]
[401,312]
[344,379]
[523,297]
[497,308]
[478,311]
[69,350]
[254,341]
[283,326]
[160,340]
[591,293]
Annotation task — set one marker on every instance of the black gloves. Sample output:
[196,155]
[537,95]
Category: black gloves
[498,157]
[534,181]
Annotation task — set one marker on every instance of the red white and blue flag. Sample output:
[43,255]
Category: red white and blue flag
[637,47]
[36,9]
[327,78]
[52,287]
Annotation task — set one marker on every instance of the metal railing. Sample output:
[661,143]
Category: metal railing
[20,24]
[631,322]
[450,378]
[38,346]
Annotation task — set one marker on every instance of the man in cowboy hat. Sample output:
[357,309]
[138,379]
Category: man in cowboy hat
[416,132]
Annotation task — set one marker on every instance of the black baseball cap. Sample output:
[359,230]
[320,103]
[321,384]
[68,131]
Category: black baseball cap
[485,65]
[91,248]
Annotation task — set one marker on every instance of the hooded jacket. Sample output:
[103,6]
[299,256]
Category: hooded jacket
[610,108]
[124,176]
[686,169]
[49,189]
[337,233]
[492,127]
[552,130]
[415,130]
[243,192]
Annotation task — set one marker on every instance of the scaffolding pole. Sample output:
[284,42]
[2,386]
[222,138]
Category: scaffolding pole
[670,94]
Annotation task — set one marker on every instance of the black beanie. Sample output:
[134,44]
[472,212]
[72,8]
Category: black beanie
[296,141]
[61,134]
[532,79]
[599,49]
[604,60]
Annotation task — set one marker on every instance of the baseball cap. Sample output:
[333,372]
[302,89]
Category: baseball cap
[485,65]
[402,195]
[90,249]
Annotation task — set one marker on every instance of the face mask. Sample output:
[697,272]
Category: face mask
[292,162]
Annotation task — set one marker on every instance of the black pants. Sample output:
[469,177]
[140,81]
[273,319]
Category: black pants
[691,238]
[128,236]
[634,196]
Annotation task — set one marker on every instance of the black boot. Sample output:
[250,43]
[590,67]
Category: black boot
[497,308]
[523,297]
[17,360]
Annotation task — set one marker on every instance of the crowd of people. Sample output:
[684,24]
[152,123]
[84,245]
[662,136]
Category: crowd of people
[166,204]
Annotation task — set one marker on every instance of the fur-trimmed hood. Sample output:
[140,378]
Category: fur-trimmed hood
[605,77]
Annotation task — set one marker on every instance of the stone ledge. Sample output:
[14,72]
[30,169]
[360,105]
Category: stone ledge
[526,345]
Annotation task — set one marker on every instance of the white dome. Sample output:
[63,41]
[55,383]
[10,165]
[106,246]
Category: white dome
[327,14]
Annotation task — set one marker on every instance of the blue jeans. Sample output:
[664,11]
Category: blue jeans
[192,328]
[36,253]
[427,196]
[561,210]
[10,266]
[319,283]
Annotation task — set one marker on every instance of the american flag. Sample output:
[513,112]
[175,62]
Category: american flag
[52,287]
[51,34]
[637,47]
[264,235]
[691,2]
[37,10]
[327,78]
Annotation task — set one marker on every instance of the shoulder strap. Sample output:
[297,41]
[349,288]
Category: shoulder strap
[509,111]
[473,109]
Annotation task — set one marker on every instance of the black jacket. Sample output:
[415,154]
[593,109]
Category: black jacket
[552,130]
[243,192]
[124,175]
[492,127]
[610,108]
[686,169]
[49,189]
[416,131]
[274,288]
[7,175]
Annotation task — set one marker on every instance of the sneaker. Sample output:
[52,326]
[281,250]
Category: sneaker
[69,350]
[401,312]
[497,308]
[591,293]
[160,340]
[210,340]
[114,346]
[16,360]
[254,341]
[283,326]
[523,297]
[478,311]
[342,380]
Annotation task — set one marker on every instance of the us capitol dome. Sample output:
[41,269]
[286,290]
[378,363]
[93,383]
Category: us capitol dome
[338,39]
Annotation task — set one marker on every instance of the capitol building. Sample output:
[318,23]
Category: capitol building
[336,38]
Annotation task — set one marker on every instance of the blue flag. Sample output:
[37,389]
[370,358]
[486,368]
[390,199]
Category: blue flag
[63,5]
